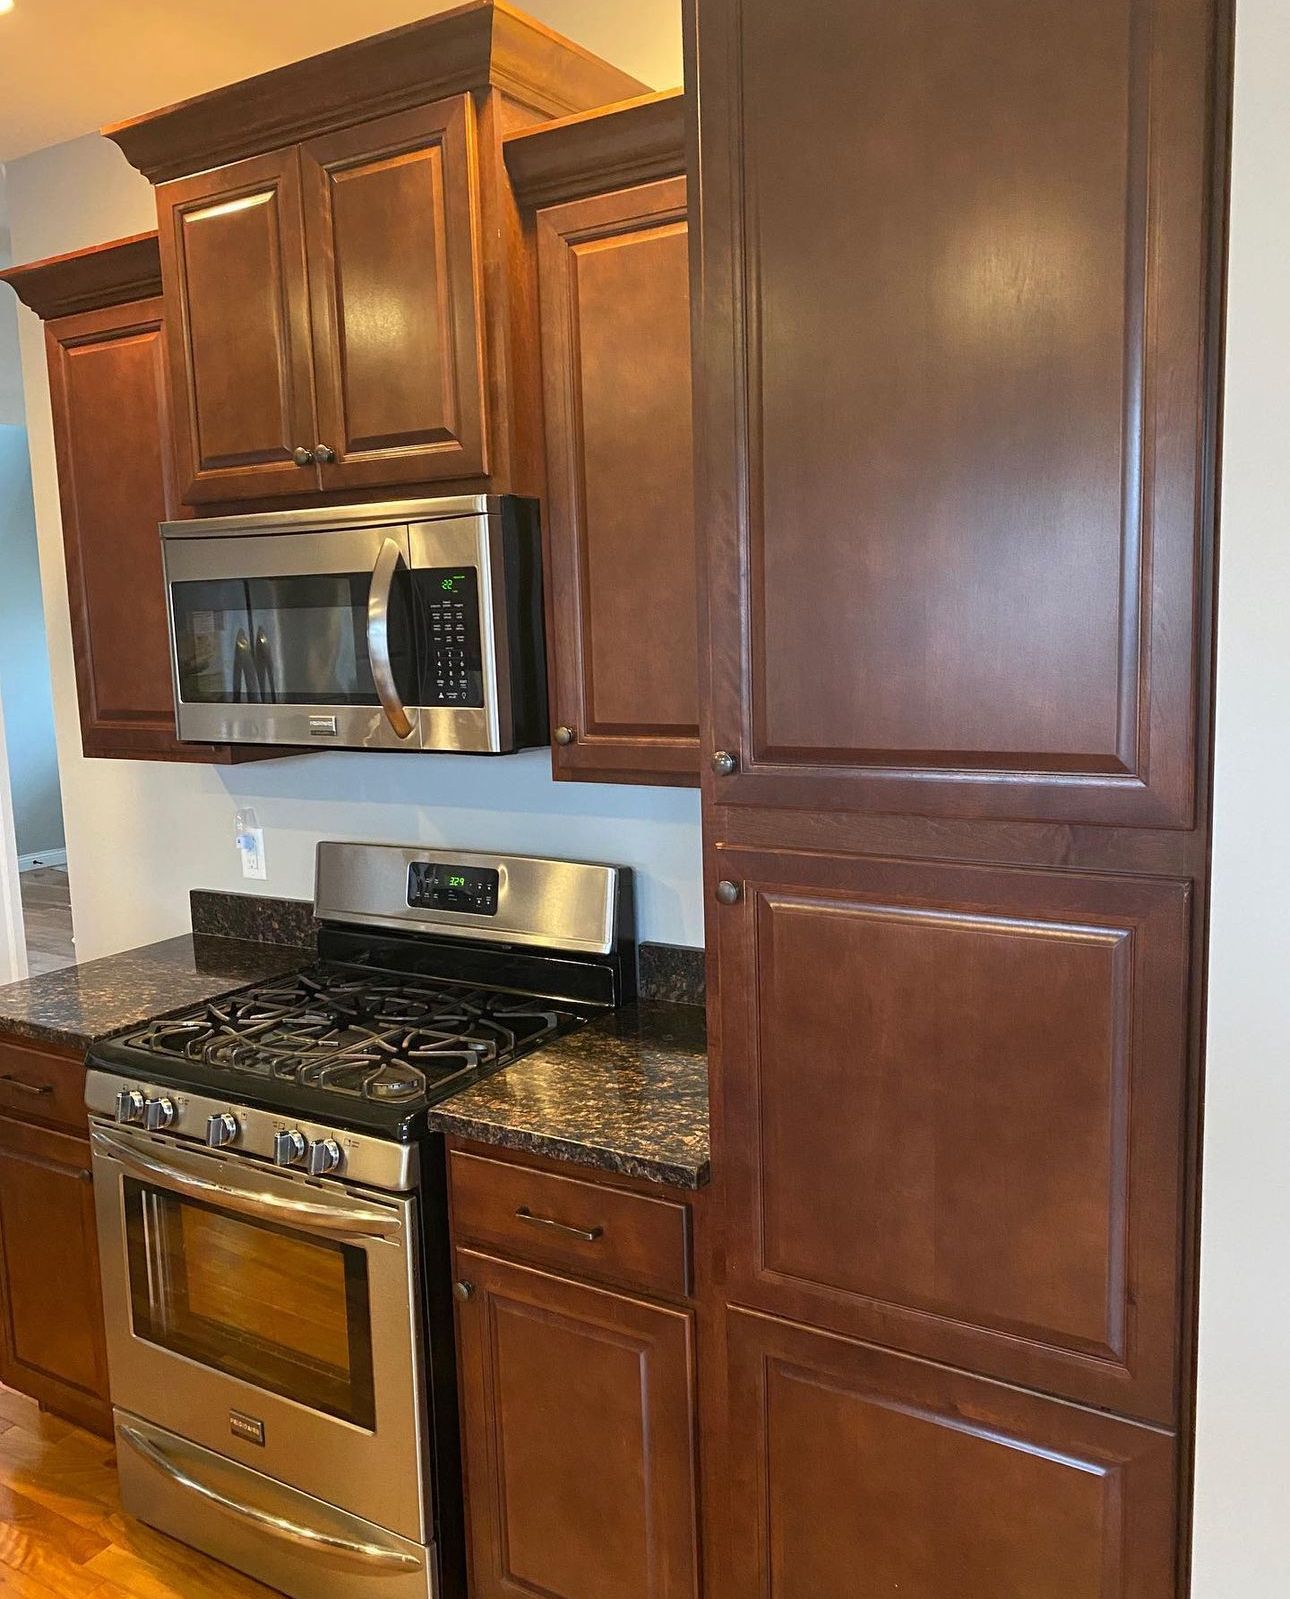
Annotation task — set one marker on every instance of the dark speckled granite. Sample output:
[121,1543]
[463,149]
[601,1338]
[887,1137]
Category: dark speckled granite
[671,972]
[254,916]
[626,1094]
[82,1003]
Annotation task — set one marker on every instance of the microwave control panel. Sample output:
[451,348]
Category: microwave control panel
[454,657]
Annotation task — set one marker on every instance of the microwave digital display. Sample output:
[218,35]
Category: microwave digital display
[468,890]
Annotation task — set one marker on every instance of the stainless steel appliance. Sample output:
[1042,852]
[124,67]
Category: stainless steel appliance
[271,1213]
[410,625]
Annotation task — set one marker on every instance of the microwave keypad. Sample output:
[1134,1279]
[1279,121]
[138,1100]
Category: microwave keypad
[454,659]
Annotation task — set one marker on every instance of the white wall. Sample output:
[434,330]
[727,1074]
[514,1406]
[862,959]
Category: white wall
[139,834]
[24,662]
[1242,1522]
[11,406]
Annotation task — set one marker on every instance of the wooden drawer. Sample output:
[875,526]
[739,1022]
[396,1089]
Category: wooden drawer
[587,1227]
[42,1083]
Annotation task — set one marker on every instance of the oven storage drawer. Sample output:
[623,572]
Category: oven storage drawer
[42,1083]
[609,1233]
[305,1547]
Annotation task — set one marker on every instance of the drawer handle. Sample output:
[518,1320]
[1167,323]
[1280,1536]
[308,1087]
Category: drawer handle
[587,1234]
[26,1088]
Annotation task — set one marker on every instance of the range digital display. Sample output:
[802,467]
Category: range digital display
[466,890]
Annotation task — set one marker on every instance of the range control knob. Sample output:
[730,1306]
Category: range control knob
[289,1148]
[324,1156]
[130,1106]
[221,1129]
[158,1113]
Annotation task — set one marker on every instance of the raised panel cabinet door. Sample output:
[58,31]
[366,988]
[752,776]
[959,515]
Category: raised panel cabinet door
[957,382]
[51,1332]
[237,309]
[391,214]
[107,372]
[578,1424]
[613,272]
[953,1113]
[858,1474]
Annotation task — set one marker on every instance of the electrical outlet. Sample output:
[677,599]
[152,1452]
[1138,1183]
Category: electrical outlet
[251,844]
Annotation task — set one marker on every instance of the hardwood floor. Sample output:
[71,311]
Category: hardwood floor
[63,1534]
[47,918]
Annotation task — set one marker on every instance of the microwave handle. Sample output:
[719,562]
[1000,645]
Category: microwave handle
[378,638]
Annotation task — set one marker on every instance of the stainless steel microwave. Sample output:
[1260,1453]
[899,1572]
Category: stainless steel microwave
[410,625]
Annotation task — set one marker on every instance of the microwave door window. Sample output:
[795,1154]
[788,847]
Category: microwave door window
[214,648]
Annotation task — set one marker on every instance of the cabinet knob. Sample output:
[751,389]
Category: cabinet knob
[729,893]
[464,1291]
[724,763]
[324,454]
[301,456]
[565,735]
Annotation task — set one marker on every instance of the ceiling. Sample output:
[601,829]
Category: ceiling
[69,66]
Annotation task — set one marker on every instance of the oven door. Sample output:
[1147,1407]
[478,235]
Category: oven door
[296,638]
[270,1318]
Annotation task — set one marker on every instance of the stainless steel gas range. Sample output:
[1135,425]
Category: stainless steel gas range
[272,1221]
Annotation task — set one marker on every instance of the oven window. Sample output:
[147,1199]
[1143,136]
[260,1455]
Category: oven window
[277,1308]
[287,640]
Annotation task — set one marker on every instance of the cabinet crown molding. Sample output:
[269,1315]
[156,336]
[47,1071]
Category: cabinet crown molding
[593,152]
[484,44]
[89,280]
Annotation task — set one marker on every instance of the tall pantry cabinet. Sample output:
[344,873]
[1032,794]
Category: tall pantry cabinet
[956,281]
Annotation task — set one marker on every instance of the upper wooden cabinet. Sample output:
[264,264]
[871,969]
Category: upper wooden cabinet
[956,402]
[105,337]
[619,515]
[345,273]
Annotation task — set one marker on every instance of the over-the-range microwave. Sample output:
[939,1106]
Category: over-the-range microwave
[410,625]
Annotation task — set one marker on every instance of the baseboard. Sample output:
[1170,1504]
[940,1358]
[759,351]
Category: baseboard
[43,857]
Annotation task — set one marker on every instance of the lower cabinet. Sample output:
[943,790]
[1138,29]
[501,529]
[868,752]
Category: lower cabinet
[857,1473]
[51,1315]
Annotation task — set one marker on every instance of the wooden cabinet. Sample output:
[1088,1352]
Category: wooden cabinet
[106,342]
[52,1344]
[327,302]
[579,1403]
[619,513]
[956,405]
[858,1472]
[343,264]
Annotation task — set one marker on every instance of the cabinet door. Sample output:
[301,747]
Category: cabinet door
[620,492]
[237,307]
[952,1112]
[858,1474]
[390,208]
[107,372]
[51,1336]
[956,389]
[578,1419]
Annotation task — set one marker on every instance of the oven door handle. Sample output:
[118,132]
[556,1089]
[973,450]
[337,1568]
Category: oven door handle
[378,638]
[328,1544]
[347,1220]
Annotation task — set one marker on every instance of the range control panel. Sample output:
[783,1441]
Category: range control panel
[433,886]
[454,657]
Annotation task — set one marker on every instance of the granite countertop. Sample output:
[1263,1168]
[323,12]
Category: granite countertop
[626,1094]
[80,1004]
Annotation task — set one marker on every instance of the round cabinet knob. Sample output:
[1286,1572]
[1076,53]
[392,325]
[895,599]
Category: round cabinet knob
[324,1156]
[464,1291]
[729,893]
[158,1113]
[289,1148]
[565,735]
[324,454]
[724,763]
[301,456]
[130,1106]
[221,1129]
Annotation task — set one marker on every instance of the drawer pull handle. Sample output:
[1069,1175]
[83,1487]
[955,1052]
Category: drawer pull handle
[587,1234]
[26,1088]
